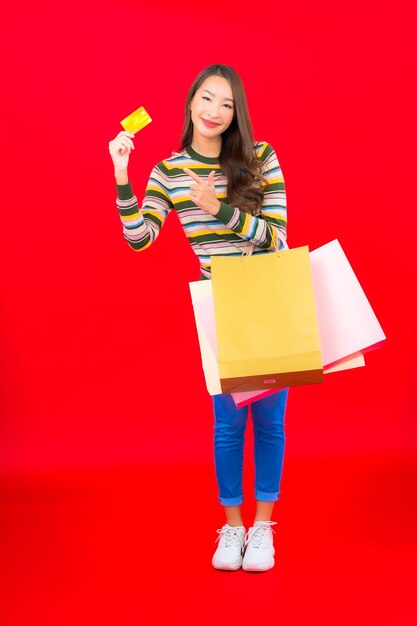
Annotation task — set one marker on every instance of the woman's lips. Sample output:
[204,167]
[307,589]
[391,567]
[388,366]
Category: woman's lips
[209,124]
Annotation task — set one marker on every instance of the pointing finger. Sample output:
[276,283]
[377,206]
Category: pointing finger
[193,176]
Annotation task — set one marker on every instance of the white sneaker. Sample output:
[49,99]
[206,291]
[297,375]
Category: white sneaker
[230,549]
[259,551]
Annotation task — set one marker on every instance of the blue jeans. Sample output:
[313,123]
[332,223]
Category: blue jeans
[269,438]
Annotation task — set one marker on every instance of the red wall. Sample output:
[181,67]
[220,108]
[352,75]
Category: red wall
[100,361]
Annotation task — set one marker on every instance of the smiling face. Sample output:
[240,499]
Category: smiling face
[212,108]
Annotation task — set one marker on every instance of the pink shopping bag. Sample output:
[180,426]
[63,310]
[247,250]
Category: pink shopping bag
[348,326]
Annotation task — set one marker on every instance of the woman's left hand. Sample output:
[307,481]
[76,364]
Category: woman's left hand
[203,193]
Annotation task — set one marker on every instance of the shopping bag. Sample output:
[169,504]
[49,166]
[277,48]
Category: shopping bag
[348,325]
[266,322]
[202,300]
[203,306]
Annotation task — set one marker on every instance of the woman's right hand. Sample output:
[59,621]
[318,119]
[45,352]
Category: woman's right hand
[120,148]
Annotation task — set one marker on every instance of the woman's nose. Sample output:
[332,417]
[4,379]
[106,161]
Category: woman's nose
[214,109]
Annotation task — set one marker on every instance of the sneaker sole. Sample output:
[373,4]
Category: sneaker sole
[227,568]
[249,568]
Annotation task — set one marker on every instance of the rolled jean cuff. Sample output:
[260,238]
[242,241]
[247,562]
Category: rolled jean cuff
[265,496]
[231,501]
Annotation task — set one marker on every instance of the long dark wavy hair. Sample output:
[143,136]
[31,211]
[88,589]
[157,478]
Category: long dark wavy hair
[238,161]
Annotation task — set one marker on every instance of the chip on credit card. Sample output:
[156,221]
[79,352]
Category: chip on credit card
[136,120]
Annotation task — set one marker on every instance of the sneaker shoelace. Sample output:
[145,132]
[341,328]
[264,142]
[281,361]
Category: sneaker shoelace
[257,534]
[230,535]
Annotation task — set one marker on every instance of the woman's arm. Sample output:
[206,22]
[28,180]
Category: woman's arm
[142,226]
[266,229]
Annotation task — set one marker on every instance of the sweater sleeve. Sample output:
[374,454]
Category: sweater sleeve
[270,226]
[142,226]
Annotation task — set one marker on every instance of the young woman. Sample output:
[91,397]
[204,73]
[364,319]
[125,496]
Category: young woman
[228,193]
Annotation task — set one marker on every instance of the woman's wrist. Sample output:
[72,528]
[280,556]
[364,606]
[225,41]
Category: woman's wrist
[121,176]
[218,206]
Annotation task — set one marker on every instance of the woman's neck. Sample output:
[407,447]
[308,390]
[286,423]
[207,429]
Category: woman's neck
[207,147]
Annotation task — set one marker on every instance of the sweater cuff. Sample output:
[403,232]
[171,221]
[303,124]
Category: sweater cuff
[124,192]
[225,213]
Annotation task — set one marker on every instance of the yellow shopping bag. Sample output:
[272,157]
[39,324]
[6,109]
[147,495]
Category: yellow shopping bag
[266,322]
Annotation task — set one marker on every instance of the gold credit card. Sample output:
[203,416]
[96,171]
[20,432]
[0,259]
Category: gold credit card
[136,120]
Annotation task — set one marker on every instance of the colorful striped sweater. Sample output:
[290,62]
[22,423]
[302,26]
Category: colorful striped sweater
[228,232]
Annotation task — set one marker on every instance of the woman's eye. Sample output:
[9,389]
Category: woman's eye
[229,106]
